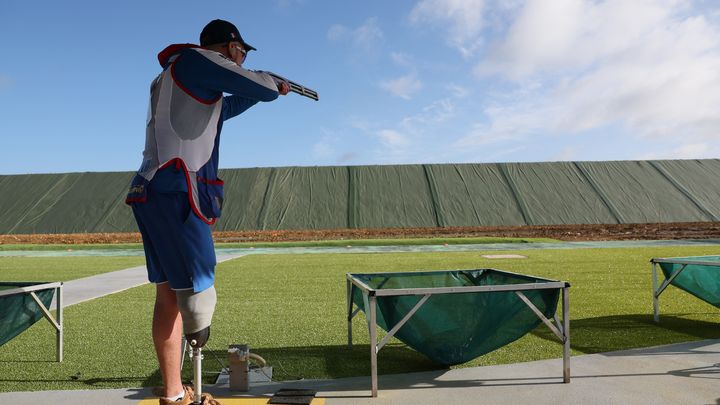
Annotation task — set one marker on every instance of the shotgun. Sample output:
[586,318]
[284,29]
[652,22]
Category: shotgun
[295,87]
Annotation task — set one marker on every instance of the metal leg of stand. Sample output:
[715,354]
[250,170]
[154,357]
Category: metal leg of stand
[373,346]
[656,302]
[566,332]
[349,312]
[59,332]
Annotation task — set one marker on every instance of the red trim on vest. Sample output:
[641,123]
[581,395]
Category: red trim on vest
[184,89]
[208,181]
[168,163]
[165,55]
[135,200]
[196,210]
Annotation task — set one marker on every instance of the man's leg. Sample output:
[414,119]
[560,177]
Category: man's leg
[167,334]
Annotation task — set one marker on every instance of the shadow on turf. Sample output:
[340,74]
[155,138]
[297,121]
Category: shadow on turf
[291,363]
[334,361]
[589,335]
[622,332]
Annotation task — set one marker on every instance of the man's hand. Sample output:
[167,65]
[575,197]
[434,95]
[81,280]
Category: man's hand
[283,88]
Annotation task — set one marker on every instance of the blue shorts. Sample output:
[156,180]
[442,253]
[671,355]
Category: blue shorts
[178,245]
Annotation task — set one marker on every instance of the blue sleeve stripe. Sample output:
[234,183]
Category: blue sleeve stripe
[207,74]
[187,91]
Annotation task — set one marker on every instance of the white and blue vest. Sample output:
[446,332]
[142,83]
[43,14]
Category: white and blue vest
[185,119]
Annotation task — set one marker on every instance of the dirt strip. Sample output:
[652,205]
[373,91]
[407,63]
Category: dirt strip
[685,230]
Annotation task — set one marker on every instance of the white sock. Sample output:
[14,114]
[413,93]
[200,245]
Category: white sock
[176,397]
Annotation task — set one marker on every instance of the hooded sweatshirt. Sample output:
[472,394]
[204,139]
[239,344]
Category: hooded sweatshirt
[185,117]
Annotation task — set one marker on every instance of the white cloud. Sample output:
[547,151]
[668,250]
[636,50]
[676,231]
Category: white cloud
[415,137]
[568,153]
[405,86]
[367,37]
[323,148]
[337,32]
[369,34]
[332,147]
[685,151]
[392,138]
[649,67]
[561,35]
[436,113]
[462,19]
[401,59]
[458,91]
[483,135]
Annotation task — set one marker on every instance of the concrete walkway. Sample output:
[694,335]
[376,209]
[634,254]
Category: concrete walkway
[88,288]
[686,373]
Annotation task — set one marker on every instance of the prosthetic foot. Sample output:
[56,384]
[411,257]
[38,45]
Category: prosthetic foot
[197,310]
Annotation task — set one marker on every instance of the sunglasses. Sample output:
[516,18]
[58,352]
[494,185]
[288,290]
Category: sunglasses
[242,50]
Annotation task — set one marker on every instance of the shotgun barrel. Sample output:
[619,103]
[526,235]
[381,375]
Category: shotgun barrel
[296,88]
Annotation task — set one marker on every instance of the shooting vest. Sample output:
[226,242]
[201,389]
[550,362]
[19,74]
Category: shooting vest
[181,129]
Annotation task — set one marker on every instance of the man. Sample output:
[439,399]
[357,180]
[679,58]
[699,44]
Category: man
[176,195]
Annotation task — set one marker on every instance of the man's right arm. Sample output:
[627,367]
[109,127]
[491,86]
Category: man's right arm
[207,74]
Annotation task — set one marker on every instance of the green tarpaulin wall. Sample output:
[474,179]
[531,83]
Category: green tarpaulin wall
[502,194]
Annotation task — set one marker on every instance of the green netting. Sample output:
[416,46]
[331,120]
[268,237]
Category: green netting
[699,179]
[456,328]
[473,195]
[639,193]
[65,203]
[245,195]
[19,311]
[390,196]
[556,193]
[338,197]
[702,281]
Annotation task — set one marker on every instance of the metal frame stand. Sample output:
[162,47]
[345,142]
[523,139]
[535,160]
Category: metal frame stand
[56,322]
[561,330]
[659,290]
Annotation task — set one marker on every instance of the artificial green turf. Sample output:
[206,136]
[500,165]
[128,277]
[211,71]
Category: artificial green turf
[387,242]
[308,243]
[62,268]
[69,247]
[290,309]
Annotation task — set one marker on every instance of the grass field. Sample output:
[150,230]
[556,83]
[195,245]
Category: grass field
[290,309]
[308,243]
[61,269]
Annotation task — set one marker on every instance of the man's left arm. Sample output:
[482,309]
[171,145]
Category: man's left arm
[235,105]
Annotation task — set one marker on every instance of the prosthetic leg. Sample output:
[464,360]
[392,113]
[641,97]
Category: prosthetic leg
[197,310]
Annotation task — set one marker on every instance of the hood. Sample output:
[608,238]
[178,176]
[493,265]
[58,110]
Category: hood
[171,50]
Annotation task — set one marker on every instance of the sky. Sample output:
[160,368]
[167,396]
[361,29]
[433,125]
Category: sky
[400,82]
